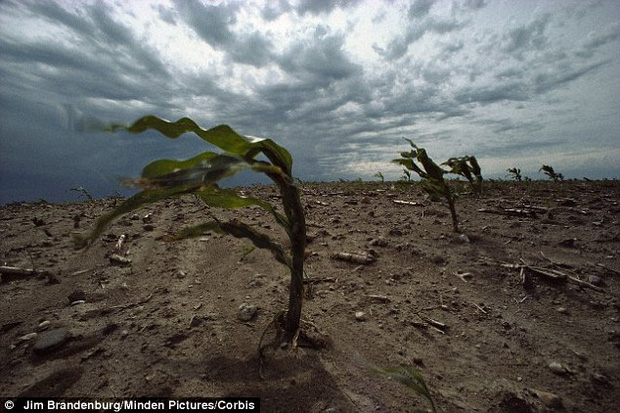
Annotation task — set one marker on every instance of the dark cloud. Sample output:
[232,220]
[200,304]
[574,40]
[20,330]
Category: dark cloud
[272,10]
[420,8]
[254,49]
[545,82]
[324,59]
[166,14]
[211,22]
[475,4]
[399,46]
[527,37]
[596,40]
[317,7]
[510,91]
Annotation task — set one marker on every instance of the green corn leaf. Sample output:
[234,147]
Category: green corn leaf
[227,198]
[238,230]
[140,199]
[411,165]
[475,167]
[431,168]
[201,171]
[167,166]
[222,136]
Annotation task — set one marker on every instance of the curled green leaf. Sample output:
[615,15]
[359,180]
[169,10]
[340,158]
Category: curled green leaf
[237,229]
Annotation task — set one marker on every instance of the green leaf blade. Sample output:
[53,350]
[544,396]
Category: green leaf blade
[222,136]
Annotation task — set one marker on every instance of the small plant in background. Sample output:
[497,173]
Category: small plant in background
[380,176]
[406,176]
[548,170]
[516,174]
[83,192]
[409,377]
[468,167]
[432,175]
[165,178]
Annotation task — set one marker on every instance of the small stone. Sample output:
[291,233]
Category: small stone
[378,242]
[360,316]
[595,280]
[562,310]
[124,333]
[549,399]
[148,227]
[27,337]
[247,312]
[557,368]
[195,321]
[51,341]
[464,239]
[43,325]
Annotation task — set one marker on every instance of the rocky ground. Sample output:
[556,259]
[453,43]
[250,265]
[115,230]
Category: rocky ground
[519,313]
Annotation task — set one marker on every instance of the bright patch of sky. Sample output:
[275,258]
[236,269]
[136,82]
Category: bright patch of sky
[339,83]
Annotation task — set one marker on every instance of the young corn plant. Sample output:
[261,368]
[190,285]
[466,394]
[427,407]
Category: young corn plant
[548,170]
[432,175]
[516,174]
[467,167]
[165,178]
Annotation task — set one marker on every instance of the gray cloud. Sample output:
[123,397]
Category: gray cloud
[317,7]
[211,22]
[527,37]
[399,46]
[463,76]
[420,8]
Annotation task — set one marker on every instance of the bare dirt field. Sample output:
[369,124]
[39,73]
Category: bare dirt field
[521,313]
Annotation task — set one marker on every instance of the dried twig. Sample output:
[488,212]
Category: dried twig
[479,308]
[514,212]
[550,274]
[410,203]
[463,275]
[14,272]
[363,259]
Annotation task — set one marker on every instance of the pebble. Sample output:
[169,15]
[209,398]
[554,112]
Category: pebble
[44,324]
[557,368]
[360,316]
[549,399]
[51,340]
[595,280]
[464,239]
[27,337]
[562,310]
[247,312]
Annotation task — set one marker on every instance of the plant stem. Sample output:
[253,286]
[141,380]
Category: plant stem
[450,198]
[297,235]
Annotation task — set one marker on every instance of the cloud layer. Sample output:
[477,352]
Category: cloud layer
[339,83]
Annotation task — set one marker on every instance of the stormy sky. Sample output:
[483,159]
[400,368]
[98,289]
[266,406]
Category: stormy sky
[339,83]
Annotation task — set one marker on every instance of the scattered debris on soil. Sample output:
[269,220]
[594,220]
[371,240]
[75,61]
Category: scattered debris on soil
[518,313]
